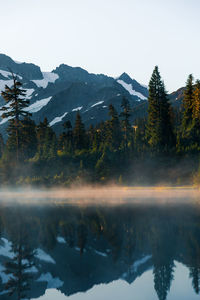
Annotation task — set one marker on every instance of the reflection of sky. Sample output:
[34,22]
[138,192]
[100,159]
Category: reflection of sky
[141,289]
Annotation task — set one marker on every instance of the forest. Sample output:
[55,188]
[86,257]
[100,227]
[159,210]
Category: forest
[162,148]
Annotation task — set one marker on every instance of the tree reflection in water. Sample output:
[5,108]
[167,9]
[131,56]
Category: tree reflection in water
[96,245]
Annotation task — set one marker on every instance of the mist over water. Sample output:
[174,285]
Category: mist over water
[109,195]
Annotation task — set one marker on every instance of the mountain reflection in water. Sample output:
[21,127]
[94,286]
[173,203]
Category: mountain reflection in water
[128,251]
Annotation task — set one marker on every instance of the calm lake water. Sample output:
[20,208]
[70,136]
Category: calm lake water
[74,252]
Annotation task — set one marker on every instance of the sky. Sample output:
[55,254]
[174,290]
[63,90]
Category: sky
[106,36]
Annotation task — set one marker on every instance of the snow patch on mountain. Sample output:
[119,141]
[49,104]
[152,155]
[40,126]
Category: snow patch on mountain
[32,269]
[41,255]
[29,92]
[9,81]
[1,113]
[98,103]
[144,85]
[18,62]
[137,264]
[35,107]
[58,119]
[3,83]
[4,120]
[77,108]
[140,262]
[4,277]
[6,249]
[130,89]
[8,74]
[61,240]
[47,77]
[79,249]
[101,253]
[5,73]
[51,282]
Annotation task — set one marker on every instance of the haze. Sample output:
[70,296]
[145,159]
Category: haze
[108,195]
[107,36]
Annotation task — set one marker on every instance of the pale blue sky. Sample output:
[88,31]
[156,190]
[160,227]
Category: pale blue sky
[106,36]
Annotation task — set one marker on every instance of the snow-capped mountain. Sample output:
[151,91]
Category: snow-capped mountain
[59,94]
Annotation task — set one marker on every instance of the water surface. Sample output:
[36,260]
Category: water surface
[134,250]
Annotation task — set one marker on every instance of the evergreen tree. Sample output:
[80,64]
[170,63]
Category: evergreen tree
[159,133]
[18,268]
[194,136]
[139,137]
[82,233]
[113,136]
[52,153]
[196,102]
[102,135]
[91,135]
[28,138]
[188,104]
[79,134]
[46,141]
[96,140]
[126,127]
[195,275]
[188,136]
[68,141]
[2,146]
[15,110]
[163,276]
[62,141]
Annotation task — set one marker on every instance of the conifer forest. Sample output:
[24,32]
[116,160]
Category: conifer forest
[162,148]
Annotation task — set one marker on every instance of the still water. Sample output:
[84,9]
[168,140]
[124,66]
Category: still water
[97,252]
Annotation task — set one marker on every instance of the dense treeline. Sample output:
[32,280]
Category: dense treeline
[164,148]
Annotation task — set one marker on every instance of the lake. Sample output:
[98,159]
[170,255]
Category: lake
[123,249]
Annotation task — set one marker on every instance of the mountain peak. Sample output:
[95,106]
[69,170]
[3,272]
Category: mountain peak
[125,77]
[59,94]
[27,70]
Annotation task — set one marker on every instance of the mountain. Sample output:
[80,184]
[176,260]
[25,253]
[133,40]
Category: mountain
[78,273]
[59,94]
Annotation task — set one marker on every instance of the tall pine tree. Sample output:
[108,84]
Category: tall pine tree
[15,111]
[187,135]
[195,130]
[188,104]
[159,133]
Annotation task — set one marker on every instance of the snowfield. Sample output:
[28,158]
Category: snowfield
[130,89]
[5,248]
[98,103]
[48,77]
[41,255]
[38,105]
[51,282]
[58,119]
[77,108]
[29,93]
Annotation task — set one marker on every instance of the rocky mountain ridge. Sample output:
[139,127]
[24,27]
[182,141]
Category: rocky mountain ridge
[59,94]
